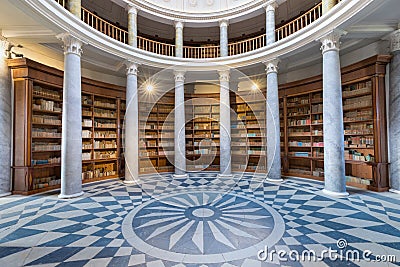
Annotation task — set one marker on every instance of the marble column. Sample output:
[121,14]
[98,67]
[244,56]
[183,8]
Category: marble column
[71,142]
[273,125]
[75,7]
[5,120]
[132,26]
[225,126]
[178,39]
[394,114]
[131,124]
[179,126]
[328,5]
[334,162]
[270,22]
[223,30]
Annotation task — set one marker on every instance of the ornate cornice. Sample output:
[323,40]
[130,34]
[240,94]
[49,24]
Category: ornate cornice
[330,42]
[271,66]
[179,76]
[72,45]
[224,75]
[395,41]
[131,67]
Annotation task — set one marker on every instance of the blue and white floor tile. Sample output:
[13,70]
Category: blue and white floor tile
[198,221]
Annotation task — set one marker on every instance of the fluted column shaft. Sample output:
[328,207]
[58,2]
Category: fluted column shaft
[131,124]
[75,6]
[180,141]
[225,125]
[71,144]
[132,26]
[5,120]
[270,22]
[178,39]
[394,113]
[273,124]
[223,26]
[334,162]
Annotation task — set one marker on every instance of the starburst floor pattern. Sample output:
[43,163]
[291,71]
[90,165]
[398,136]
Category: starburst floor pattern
[202,227]
[198,221]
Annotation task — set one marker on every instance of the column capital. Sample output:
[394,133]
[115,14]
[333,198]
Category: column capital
[179,76]
[223,23]
[131,9]
[179,24]
[270,5]
[5,46]
[395,41]
[271,66]
[72,45]
[224,75]
[330,41]
[131,67]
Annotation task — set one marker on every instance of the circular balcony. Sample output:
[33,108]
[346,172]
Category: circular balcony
[203,51]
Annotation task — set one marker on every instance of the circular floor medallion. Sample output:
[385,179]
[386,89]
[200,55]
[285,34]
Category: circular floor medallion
[202,227]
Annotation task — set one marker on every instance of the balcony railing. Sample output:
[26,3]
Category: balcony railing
[202,52]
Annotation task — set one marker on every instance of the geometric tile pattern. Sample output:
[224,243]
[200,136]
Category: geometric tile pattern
[42,230]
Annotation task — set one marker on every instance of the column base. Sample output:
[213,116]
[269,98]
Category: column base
[274,180]
[62,196]
[129,182]
[224,175]
[334,194]
[180,175]
[391,190]
[5,194]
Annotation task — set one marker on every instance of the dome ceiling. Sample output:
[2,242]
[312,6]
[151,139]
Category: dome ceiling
[199,6]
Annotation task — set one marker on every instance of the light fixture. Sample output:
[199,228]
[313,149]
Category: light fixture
[254,87]
[149,88]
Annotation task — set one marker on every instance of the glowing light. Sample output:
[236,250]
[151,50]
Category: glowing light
[149,88]
[254,87]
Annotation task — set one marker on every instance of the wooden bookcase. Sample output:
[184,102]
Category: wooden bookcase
[37,128]
[156,135]
[248,131]
[365,134]
[202,132]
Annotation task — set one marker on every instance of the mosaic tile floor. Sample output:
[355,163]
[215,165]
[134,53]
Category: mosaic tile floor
[200,221]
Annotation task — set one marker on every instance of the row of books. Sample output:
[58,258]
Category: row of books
[105,113]
[46,119]
[40,91]
[105,154]
[105,144]
[104,104]
[43,132]
[43,182]
[46,105]
[51,160]
[36,146]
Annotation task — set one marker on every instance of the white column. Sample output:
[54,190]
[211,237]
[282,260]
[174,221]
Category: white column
[273,124]
[179,126]
[75,6]
[131,124]
[334,162]
[223,30]
[394,113]
[71,142]
[327,5]
[270,22]
[5,120]
[225,126]
[132,26]
[179,39]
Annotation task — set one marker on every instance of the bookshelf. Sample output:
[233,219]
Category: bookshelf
[37,130]
[365,136]
[156,132]
[202,132]
[248,131]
